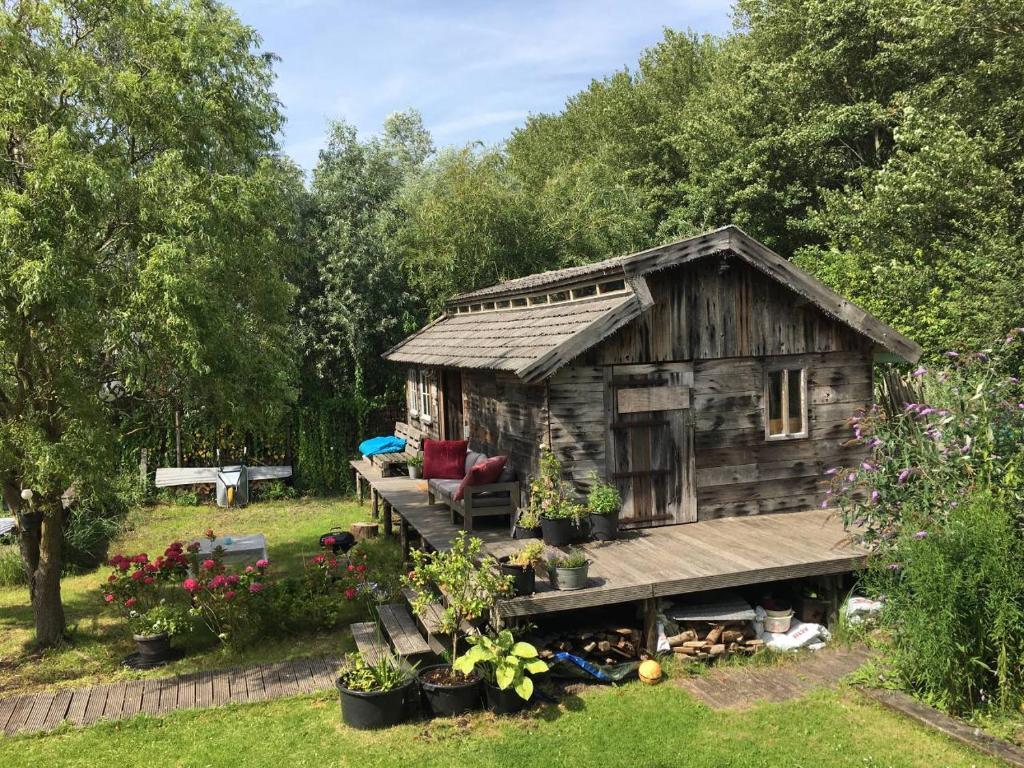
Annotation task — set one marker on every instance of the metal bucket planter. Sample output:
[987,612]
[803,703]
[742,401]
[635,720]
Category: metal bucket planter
[566,579]
[524,578]
[370,710]
[449,700]
[500,702]
[604,527]
[414,472]
[153,649]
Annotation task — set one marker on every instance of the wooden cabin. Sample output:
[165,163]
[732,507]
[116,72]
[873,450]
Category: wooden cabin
[707,378]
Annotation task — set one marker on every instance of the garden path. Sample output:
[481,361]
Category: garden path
[744,686]
[117,701]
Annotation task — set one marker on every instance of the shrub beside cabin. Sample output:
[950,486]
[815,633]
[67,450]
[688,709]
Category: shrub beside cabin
[706,378]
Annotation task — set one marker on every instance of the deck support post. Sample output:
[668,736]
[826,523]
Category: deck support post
[403,538]
[833,586]
[359,487]
[386,519]
[374,503]
[650,608]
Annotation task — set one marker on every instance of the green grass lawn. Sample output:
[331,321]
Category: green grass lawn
[99,641]
[633,725]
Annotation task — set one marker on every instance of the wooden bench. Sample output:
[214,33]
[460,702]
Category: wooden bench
[387,462]
[493,499]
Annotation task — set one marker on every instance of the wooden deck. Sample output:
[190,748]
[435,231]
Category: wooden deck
[654,562]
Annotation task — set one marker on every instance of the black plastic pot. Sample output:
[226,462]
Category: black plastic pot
[153,649]
[558,532]
[369,710]
[518,532]
[524,578]
[604,527]
[449,700]
[500,702]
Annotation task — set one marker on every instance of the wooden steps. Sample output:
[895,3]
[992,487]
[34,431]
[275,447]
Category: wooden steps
[369,642]
[401,631]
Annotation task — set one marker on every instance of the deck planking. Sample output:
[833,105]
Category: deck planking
[653,562]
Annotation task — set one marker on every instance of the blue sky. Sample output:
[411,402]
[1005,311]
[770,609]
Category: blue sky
[475,70]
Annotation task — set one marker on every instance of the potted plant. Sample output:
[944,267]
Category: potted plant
[505,666]
[527,525]
[373,695]
[553,501]
[143,592]
[468,586]
[604,503]
[522,568]
[415,464]
[568,571]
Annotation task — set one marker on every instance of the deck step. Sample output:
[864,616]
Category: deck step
[370,642]
[398,625]
[439,642]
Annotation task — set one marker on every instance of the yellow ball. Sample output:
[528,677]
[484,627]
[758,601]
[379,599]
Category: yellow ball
[650,672]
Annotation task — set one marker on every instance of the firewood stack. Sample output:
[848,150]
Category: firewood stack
[598,646]
[705,640]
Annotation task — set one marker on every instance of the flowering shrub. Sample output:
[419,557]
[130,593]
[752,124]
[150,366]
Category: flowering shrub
[938,500]
[231,602]
[142,590]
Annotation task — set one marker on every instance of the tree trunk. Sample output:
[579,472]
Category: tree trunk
[41,539]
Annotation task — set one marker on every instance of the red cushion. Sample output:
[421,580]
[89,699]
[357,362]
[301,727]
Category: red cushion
[484,473]
[444,459]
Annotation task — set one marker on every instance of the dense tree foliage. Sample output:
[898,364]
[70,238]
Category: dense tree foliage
[143,243]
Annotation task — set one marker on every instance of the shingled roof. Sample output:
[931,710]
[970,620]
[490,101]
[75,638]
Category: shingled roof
[527,325]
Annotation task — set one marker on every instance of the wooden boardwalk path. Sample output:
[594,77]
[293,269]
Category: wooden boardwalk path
[117,701]
[743,686]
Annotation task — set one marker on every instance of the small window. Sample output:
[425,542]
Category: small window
[426,402]
[412,394]
[786,403]
[584,291]
[612,285]
[559,296]
[519,302]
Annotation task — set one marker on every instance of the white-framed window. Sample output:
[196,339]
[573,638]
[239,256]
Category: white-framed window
[412,396]
[426,401]
[785,403]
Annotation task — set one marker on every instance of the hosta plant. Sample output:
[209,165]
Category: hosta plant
[502,662]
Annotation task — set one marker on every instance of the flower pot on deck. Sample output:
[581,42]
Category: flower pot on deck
[558,531]
[446,699]
[524,578]
[566,579]
[414,472]
[369,710]
[518,532]
[500,702]
[604,527]
[153,649]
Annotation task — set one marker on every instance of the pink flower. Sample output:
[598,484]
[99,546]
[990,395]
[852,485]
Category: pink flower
[232,579]
[122,565]
[138,575]
[218,581]
[361,568]
[255,587]
[262,563]
[209,565]
[329,541]
[108,598]
[318,559]
[190,585]
[249,569]
[230,594]
[350,593]
[148,580]
[129,602]
[193,547]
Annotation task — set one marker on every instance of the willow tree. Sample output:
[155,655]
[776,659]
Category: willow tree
[142,243]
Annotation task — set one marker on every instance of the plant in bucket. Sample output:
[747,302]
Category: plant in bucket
[568,571]
[468,587]
[415,465]
[373,694]
[527,524]
[553,502]
[506,667]
[143,592]
[522,566]
[604,503]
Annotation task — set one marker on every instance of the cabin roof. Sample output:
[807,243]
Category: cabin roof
[533,325]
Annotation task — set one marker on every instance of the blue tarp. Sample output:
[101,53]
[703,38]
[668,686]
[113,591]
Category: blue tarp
[385,444]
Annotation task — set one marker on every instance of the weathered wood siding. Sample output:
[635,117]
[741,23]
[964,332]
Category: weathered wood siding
[730,320]
[505,417]
[721,308]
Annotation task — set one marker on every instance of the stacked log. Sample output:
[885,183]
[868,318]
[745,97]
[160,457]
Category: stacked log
[708,641]
[596,645]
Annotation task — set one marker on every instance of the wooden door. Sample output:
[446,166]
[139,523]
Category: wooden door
[451,406]
[650,442]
